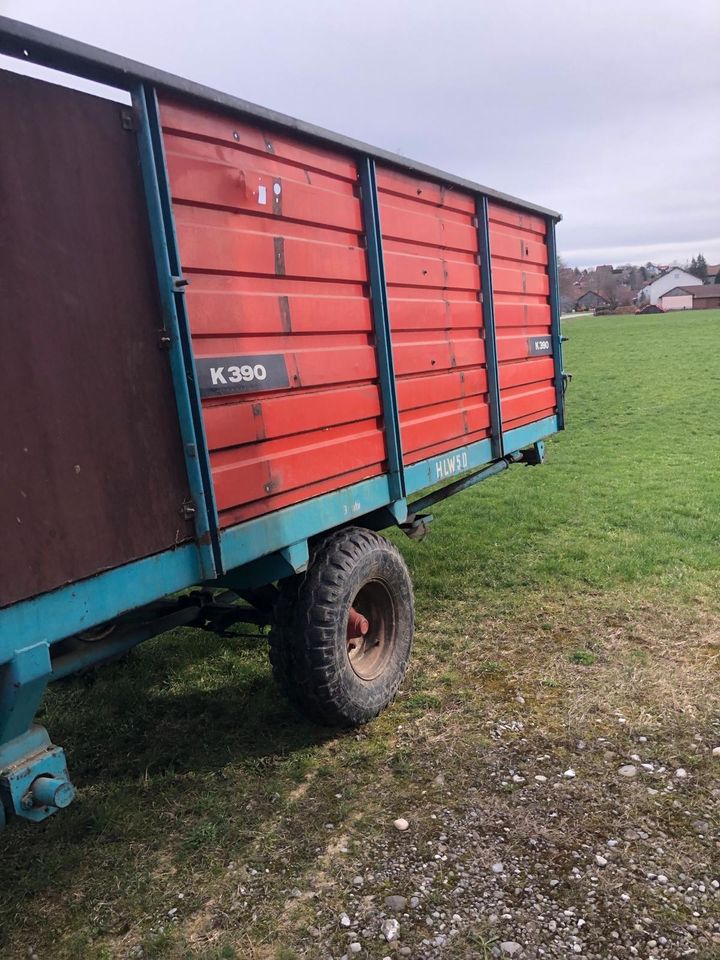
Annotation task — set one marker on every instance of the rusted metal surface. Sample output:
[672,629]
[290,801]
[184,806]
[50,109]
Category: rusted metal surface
[91,465]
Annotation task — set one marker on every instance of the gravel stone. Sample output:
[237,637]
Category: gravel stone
[400,824]
[396,903]
[628,770]
[390,929]
[510,948]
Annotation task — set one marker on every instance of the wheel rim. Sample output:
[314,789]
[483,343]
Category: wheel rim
[371,630]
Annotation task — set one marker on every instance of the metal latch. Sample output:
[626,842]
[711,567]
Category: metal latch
[179,284]
[188,510]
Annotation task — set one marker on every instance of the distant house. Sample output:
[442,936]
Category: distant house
[705,296]
[591,301]
[697,296]
[674,277]
[676,299]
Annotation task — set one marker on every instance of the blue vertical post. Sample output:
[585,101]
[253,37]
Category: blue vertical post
[488,313]
[555,332]
[383,340]
[179,345]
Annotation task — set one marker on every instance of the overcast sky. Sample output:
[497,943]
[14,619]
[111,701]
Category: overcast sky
[607,110]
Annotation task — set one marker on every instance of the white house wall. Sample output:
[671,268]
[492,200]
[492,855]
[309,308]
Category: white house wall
[677,277]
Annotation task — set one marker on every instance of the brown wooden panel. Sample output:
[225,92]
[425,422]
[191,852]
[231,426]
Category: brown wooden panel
[91,467]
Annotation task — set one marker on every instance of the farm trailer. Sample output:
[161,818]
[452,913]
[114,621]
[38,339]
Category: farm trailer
[234,347]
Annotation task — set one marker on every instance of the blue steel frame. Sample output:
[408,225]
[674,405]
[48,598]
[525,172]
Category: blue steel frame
[172,294]
[488,312]
[256,550]
[381,320]
[555,331]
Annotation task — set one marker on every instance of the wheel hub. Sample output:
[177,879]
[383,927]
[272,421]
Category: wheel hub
[370,630]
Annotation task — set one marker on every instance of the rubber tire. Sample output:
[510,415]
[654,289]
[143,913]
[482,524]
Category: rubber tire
[308,641]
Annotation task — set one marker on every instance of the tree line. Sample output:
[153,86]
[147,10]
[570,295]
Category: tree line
[618,285]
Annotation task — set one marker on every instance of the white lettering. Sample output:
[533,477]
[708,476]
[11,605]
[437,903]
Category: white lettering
[234,374]
[260,372]
[451,465]
[216,375]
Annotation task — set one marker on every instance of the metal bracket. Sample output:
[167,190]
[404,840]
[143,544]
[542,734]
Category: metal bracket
[34,780]
[22,684]
[534,456]
[417,527]
[188,510]
[296,555]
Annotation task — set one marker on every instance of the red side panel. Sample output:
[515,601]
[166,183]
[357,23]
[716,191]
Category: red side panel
[521,288]
[269,231]
[430,248]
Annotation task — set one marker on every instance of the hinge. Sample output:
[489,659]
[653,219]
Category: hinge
[127,121]
[179,284]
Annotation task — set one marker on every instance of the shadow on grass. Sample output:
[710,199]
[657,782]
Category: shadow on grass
[183,750]
[186,702]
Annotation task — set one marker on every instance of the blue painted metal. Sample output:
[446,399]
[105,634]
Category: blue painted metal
[469,480]
[274,531]
[86,603]
[555,331]
[446,465]
[525,436]
[23,678]
[22,761]
[80,654]
[52,792]
[383,340]
[488,312]
[296,555]
[537,455]
[167,263]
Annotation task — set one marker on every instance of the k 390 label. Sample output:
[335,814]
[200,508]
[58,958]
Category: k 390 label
[218,376]
[539,346]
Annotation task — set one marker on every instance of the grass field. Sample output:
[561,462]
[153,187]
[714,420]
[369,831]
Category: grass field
[567,617]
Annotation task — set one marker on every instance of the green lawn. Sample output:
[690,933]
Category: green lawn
[591,585]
